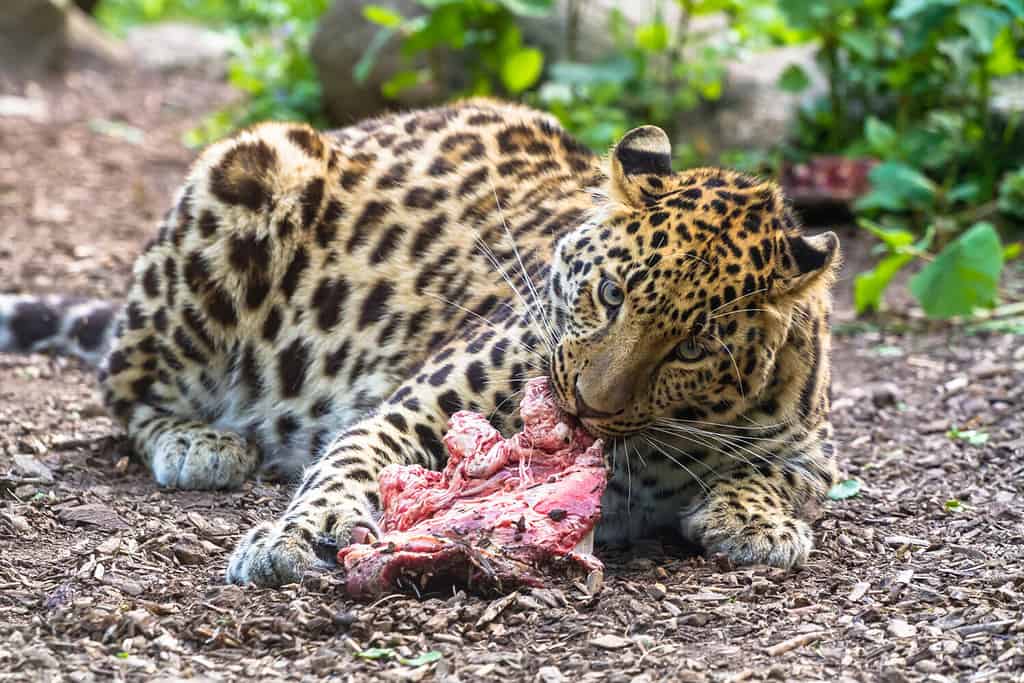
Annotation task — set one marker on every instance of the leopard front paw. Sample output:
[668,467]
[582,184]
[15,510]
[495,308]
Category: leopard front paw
[783,542]
[271,555]
[275,554]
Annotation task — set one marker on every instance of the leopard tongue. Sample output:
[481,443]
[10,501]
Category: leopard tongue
[586,544]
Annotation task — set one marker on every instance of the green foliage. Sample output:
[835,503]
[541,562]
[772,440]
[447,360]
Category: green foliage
[964,276]
[483,33]
[910,82]
[974,437]
[847,488]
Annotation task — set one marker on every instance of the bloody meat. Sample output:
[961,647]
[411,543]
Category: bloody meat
[503,513]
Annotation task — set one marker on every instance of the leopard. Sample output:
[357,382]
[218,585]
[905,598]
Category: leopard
[316,305]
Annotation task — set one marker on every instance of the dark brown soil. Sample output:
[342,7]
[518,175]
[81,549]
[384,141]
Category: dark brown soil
[103,575]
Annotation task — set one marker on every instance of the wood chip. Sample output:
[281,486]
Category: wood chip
[858,591]
[899,541]
[610,642]
[95,514]
[793,643]
[902,629]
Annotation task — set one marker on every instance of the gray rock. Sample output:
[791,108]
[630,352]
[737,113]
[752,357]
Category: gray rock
[179,45]
[33,37]
[753,113]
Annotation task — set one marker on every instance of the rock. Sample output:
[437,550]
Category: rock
[33,37]
[179,45]
[752,112]
[342,37]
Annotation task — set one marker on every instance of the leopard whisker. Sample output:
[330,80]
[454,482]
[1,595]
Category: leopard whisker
[489,324]
[735,367]
[739,298]
[660,448]
[530,287]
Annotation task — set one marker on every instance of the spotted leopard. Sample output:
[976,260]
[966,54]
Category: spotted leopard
[316,305]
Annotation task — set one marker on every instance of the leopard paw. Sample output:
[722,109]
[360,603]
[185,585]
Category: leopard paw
[784,542]
[275,554]
[202,460]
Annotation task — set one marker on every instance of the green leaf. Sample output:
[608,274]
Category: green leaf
[575,73]
[383,16]
[1012,251]
[983,24]
[905,9]
[964,192]
[376,653]
[401,81]
[361,71]
[881,137]
[896,186]
[974,437]
[521,69]
[1016,7]
[964,276]
[529,8]
[794,79]
[954,505]
[844,489]
[652,37]
[1003,61]
[419,660]
[870,286]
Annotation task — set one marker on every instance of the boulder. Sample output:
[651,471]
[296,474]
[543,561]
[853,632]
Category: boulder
[753,113]
[33,37]
[178,45]
[342,37]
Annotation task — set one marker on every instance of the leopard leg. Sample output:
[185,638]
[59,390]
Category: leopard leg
[753,516]
[338,497]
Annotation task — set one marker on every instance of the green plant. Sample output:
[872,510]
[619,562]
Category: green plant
[657,72]
[484,33]
[910,83]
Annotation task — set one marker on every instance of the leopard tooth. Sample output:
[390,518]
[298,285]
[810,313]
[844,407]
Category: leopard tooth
[586,544]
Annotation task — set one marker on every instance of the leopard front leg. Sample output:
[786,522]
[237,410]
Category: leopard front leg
[754,515]
[338,497]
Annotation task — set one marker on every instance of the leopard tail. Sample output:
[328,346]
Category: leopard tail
[65,325]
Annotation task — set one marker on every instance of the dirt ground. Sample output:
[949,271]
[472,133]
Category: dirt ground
[102,575]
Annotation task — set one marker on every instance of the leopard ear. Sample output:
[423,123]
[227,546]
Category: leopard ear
[804,259]
[637,160]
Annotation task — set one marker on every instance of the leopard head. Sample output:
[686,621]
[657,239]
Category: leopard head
[675,298]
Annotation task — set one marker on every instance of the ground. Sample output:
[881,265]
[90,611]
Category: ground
[102,574]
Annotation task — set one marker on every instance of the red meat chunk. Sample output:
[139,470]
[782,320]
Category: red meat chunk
[503,513]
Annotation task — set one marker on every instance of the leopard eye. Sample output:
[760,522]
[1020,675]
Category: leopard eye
[689,350]
[611,294]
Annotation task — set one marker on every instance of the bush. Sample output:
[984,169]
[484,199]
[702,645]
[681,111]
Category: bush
[910,83]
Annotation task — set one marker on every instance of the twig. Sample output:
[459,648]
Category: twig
[793,643]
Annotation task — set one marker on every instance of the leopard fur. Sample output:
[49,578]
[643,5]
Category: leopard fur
[316,305]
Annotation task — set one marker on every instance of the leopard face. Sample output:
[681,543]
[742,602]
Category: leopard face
[674,300]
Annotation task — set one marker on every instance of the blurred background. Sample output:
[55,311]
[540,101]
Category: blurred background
[900,119]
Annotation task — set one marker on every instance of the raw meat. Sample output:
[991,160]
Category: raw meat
[503,513]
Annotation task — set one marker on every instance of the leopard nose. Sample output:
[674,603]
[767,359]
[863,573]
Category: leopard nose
[583,410]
